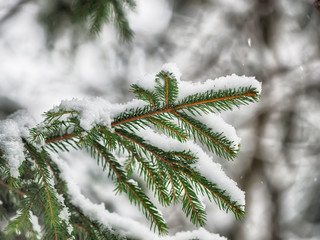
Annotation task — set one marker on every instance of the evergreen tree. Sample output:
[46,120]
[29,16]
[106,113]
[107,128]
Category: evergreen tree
[35,182]
[89,15]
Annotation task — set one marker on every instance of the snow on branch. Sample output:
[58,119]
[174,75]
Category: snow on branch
[219,84]
[205,164]
[128,227]
[11,130]
[98,212]
[173,166]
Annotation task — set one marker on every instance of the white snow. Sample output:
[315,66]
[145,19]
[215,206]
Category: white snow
[65,216]
[35,224]
[11,144]
[173,68]
[201,234]
[24,120]
[150,17]
[148,81]
[222,83]
[120,108]
[11,130]
[96,110]
[92,111]
[217,124]
[214,172]
[209,169]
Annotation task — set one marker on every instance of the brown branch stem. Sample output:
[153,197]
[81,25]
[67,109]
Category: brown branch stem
[13,189]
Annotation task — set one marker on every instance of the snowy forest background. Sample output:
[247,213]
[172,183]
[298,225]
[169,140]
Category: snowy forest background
[277,41]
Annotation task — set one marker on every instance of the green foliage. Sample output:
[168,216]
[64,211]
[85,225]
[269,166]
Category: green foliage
[170,175]
[167,88]
[89,15]
[215,142]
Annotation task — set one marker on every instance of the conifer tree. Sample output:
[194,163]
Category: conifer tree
[90,15]
[34,181]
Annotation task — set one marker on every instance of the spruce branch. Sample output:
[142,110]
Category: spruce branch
[90,229]
[208,102]
[22,221]
[145,95]
[192,206]
[222,100]
[149,171]
[45,175]
[216,194]
[148,151]
[91,16]
[136,195]
[169,169]
[167,88]
[215,142]
[169,128]
[12,188]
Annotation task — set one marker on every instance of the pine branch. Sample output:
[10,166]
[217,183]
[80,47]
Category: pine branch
[91,16]
[150,175]
[215,142]
[169,169]
[92,228]
[222,100]
[59,138]
[218,195]
[26,212]
[52,202]
[120,19]
[169,128]
[191,204]
[145,95]
[156,152]
[166,88]
[191,104]
[158,113]
[135,194]
[22,223]
[113,163]
[12,188]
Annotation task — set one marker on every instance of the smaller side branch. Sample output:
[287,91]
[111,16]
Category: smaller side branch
[141,145]
[29,207]
[64,137]
[167,127]
[107,159]
[199,220]
[149,171]
[46,185]
[249,94]
[13,189]
[237,210]
[167,90]
[203,133]
[150,98]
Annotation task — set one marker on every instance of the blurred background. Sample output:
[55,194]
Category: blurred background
[46,57]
